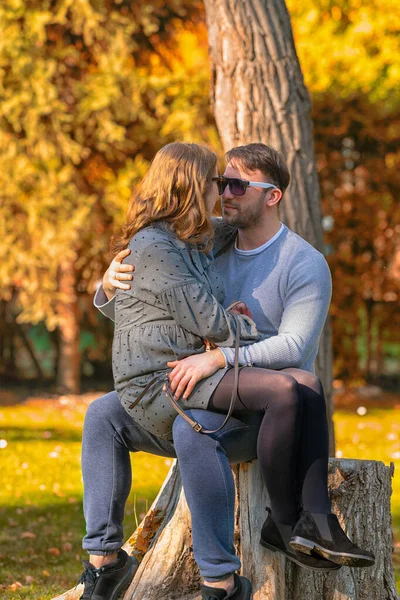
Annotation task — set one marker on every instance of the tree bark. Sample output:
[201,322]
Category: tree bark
[258,94]
[68,379]
[30,350]
[360,493]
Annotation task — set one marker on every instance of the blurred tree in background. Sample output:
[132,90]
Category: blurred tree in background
[348,50]
[90,90]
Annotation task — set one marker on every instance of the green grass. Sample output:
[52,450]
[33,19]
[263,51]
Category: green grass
[375,436]
[41,493]
[41,500]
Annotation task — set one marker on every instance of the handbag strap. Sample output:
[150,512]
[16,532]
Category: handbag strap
[195,424]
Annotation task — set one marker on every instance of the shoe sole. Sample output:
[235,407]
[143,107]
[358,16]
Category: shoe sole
[275,549]
[125,581]
[340,558]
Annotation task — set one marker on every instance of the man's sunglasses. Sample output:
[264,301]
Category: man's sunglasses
[238,187]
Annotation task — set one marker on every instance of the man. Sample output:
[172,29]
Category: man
[286,285]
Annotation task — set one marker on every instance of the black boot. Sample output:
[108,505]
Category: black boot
[110,581]
[273,537]
[316,532]
[241,591]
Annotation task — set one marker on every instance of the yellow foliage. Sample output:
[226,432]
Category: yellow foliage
[351,46]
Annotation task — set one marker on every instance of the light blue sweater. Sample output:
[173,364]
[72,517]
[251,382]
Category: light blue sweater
[287,286]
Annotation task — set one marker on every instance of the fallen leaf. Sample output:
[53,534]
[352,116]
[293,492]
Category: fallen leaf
[29,579]
[27,535]
[67,547]
[54,551]
[45,573]
[15,586]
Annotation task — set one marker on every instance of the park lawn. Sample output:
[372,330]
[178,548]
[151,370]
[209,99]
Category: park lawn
[41,504]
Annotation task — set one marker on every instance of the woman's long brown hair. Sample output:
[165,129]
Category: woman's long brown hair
[174,189]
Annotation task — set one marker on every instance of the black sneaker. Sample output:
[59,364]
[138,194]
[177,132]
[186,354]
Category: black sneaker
[322,534]
[110,581]
[241,591]
[276,536]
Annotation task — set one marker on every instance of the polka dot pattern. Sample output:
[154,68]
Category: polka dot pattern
[174,302]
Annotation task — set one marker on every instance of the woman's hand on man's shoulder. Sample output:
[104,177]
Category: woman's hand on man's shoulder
[117,273]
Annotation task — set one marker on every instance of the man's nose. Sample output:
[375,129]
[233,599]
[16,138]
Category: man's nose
[227,194]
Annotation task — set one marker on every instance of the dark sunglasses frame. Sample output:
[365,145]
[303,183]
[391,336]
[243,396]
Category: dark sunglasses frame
[238,187]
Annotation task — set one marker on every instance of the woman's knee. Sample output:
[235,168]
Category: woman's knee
[288,397]
[306,378]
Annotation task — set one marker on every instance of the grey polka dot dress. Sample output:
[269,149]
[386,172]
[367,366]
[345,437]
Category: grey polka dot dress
[173,305]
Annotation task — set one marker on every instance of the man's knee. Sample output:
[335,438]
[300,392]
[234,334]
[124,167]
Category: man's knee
[184,436]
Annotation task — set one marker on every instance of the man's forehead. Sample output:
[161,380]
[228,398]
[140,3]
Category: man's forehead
[236,170]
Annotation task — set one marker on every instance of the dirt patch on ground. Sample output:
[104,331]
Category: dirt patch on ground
[10,397]
[370,397]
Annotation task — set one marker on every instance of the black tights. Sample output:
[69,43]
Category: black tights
[292,446]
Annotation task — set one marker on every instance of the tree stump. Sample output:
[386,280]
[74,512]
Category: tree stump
[360,492]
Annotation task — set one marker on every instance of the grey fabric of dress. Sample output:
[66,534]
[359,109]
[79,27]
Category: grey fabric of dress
[173,305]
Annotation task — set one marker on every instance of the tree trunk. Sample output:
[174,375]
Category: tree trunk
[29,347]
[259,94]
[370,362]
[360,493]
[68,380]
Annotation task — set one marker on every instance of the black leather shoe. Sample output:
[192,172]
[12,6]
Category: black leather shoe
[110,581]
[272,537]
[241,591]
[322,534]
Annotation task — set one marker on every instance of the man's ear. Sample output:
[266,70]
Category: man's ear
[273,198]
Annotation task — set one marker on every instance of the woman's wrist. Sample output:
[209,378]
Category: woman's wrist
[110,293]
[108,289]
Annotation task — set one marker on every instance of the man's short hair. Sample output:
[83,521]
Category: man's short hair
[264,158]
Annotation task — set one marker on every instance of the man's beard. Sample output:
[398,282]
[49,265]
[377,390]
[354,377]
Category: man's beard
[244,217]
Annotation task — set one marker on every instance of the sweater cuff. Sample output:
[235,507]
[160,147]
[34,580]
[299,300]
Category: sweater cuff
[229,354]
[103,304]
[100,299]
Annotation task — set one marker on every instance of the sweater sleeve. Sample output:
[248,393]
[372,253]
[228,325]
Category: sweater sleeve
[196,310]
[103,304]
[165,274]
[306,305]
